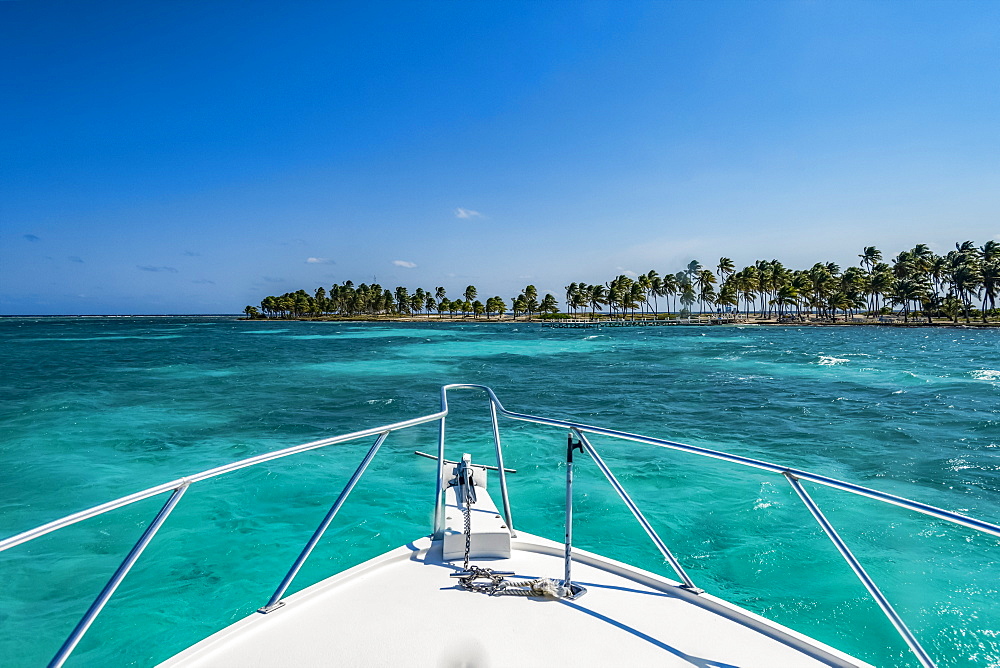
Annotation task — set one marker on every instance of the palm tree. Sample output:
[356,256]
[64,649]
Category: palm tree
[853,282]
[728,294]
[870,257]
[688,296]
[785,296]
[764,273]
[880,284]
[549,304]
[839,300]
[494,305]
[922,258]
[402,299]
[966,280]
[821,285]
[500,307]
[519,305]
[725,268]
[597,296]
[530,300]
[571,291]
[990,275]
[952,307]
[905,291]
[645,284]
[670,288]
[470,293]
[657,290]
[286,305]
[635,297]
[704,280]
[746,281]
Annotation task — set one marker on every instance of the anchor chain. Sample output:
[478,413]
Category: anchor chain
[467,510]
[486,580]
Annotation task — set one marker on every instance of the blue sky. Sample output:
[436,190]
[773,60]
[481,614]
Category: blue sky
[194,157]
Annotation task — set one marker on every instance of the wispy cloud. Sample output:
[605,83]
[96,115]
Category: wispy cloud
[404,263]
[32,238]
[204,281]
[272,279]
[75,258]
[146,267]
[191,254]
[319,260]
[467,213]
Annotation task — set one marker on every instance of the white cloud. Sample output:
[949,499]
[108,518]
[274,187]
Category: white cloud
[467,213]
[404,263]
[319,260]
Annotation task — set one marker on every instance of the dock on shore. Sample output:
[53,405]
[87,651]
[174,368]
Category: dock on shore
[642,322]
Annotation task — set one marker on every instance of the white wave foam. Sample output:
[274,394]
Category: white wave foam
[827,360]
[985,374]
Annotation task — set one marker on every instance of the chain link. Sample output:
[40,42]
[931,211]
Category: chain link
[468,531]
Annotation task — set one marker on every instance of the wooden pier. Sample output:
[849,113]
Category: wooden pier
[642,322]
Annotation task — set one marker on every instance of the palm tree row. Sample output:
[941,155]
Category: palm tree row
[949,285]
[953,285]
[373,300]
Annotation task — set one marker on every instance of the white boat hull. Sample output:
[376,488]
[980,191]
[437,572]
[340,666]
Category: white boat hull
[403,608]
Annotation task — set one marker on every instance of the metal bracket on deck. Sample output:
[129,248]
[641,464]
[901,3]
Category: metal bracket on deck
[574,591]
[271,608]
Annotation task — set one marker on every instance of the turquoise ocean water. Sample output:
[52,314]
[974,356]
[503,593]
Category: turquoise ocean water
[96,408]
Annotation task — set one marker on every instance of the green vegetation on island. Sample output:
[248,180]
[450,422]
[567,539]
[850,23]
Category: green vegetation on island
[371,301]
[918,283]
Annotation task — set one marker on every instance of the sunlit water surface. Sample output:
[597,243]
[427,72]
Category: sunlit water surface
[97,408]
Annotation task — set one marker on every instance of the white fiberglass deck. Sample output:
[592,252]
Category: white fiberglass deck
[402,608]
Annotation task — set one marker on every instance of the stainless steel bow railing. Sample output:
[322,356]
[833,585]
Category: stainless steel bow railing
[178,487]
